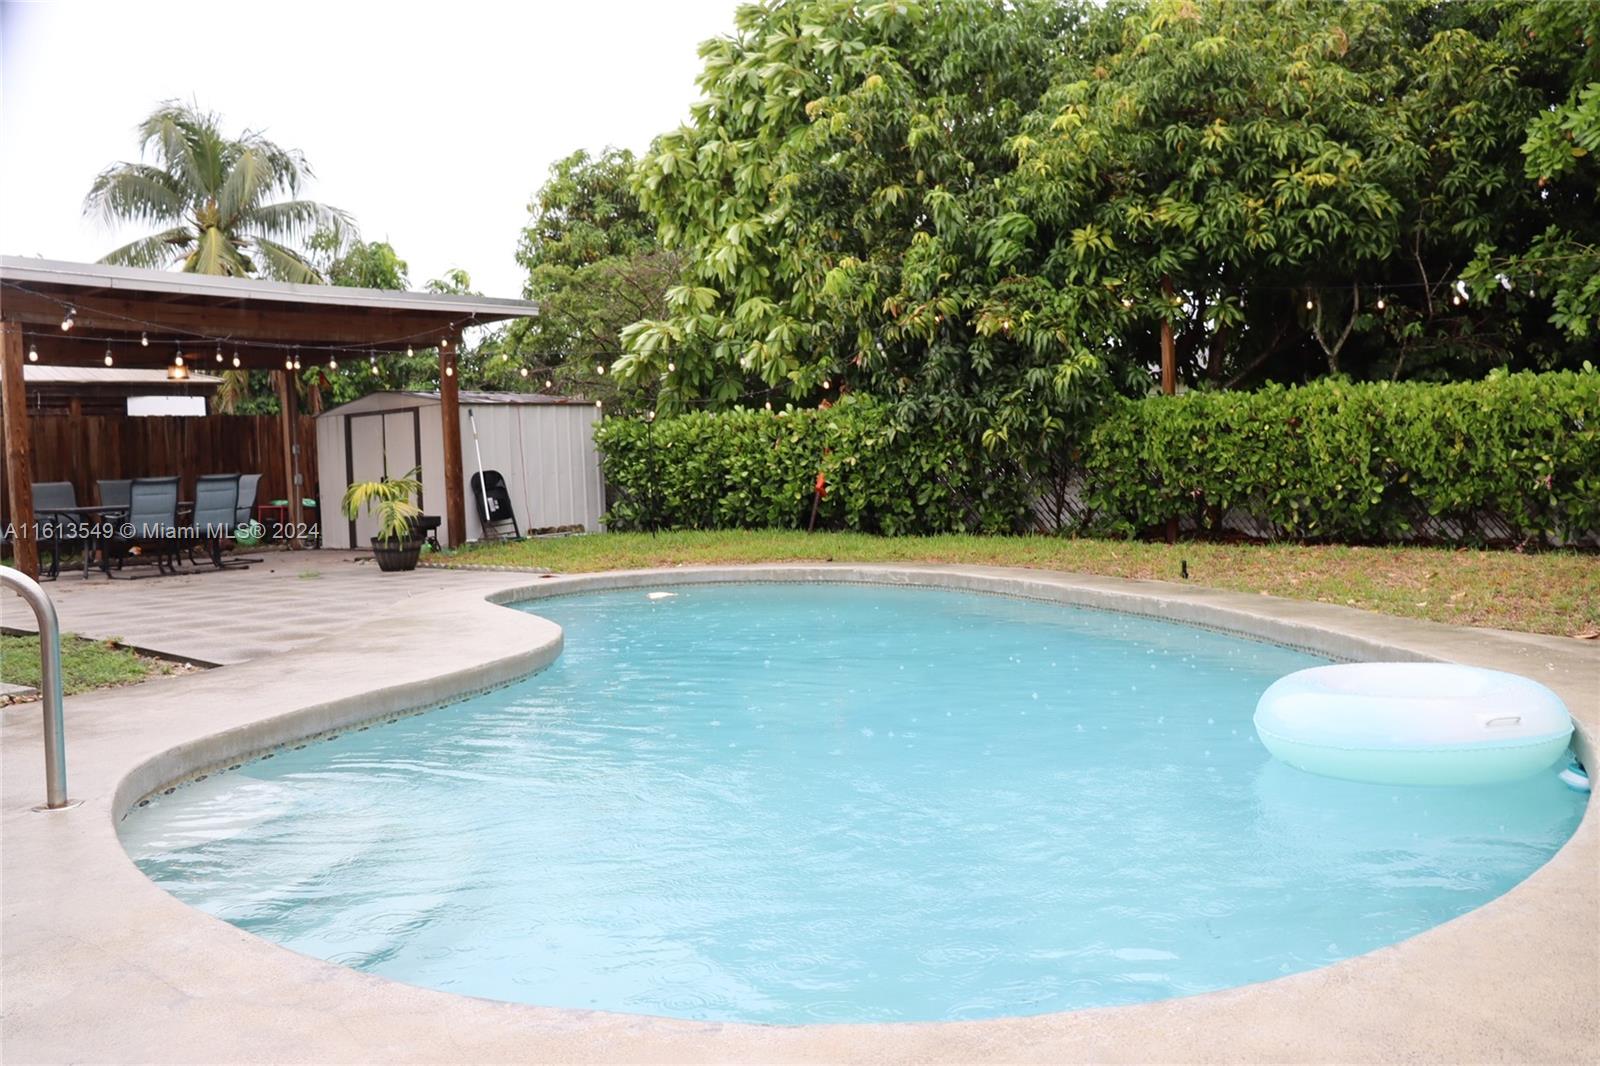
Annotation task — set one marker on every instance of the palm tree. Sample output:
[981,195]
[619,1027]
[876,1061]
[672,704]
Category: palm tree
[216,197]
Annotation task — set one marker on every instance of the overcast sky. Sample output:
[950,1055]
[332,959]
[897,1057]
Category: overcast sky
[432,123]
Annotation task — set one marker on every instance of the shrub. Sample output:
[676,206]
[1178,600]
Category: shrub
[1359,462]
[1327,461]
[757,470]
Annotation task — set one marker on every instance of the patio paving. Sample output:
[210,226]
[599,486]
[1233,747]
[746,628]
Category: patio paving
[219,618]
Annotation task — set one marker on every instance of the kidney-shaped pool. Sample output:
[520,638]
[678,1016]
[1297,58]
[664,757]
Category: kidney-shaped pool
[797,803]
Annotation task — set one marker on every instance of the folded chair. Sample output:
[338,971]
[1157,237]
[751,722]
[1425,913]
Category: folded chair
[494,503]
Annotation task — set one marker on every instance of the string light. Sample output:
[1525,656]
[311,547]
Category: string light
[108,355]
[177,360]
[144,340]
[295,362]
[1380,303]
[600,368]
[549,384]
[826,384]
[671,366]
[219,351]
[1310,304]
[409,352]
[374,366]
[445,344]
[288,363]
[449,371]
[333,362]
[524,371]
[598,404]
[71,319]
[235,358]
[33,353]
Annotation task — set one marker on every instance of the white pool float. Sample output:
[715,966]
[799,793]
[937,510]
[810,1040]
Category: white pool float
[1413,723]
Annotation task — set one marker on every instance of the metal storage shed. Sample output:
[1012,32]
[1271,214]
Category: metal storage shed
[543,445]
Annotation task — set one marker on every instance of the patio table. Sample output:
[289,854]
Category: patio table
[94,517]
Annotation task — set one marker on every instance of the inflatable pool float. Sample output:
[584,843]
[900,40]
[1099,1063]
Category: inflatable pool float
[1413,723]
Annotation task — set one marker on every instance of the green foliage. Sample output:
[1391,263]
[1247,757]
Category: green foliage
[744,469]
[1355,462]
[390,498]
[971,209]
[214,196]
[594,267]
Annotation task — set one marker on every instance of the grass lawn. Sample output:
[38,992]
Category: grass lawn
[1542,592]
[85,664]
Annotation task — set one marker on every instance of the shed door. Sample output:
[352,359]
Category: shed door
[380,444]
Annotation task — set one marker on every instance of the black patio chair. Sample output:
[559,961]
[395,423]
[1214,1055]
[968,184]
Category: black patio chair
[151,521]
[216,515]
[58,527]
[494,503]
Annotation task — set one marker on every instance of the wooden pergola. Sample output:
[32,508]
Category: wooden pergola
[81,314]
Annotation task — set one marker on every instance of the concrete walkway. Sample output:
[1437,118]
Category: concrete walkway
[220,617]
[100,965]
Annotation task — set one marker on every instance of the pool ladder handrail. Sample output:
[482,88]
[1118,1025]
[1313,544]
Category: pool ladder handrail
[55,729]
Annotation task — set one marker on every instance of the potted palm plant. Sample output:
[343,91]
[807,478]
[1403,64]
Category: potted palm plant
[397,544]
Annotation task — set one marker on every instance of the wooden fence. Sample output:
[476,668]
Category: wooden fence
[87,448]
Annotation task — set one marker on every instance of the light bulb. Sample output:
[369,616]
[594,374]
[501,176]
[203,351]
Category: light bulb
[505,357]
[33,354]
[524,371]
[333,363]
[1310,305]
[445,343]
[409,352]
[70,320]
[374,369]
[235,358]
[769,405]
[1126,302]
[177,360]
[108,357]
[1456,299]
[671,366]
[144,340]
[549,384]
[219,353]
[600,368]
[598,403]
[288,364]
[449,371]
[826,384]
[297,362]
[1380,303]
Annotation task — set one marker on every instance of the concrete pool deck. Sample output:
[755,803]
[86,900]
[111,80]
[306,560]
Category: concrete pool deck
[101,965]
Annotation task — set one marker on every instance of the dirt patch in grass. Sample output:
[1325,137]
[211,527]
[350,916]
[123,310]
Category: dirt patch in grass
[1555,592]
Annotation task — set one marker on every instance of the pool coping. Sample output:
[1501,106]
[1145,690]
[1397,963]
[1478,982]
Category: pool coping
[100,964]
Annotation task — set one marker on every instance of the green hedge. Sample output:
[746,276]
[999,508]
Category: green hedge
[758,469]
[1359,462]
[1326,461]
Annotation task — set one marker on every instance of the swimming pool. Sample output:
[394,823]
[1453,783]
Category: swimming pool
[802,803]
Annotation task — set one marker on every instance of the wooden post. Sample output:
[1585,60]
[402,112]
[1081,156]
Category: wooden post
[455,500]
[289,434]
[1169,355]
[1169,374]
[19,450]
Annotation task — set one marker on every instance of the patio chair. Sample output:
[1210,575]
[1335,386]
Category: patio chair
[494,503]
[216,515]
[113,493]
[151,520]
[58,527]
[248,485]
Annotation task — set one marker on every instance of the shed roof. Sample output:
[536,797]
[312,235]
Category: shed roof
[375,400]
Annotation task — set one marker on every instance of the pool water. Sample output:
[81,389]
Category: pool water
[798,803]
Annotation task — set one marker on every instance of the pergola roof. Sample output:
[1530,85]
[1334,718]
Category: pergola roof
[263,321]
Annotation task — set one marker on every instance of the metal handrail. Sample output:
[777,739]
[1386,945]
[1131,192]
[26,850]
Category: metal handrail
[55,729]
